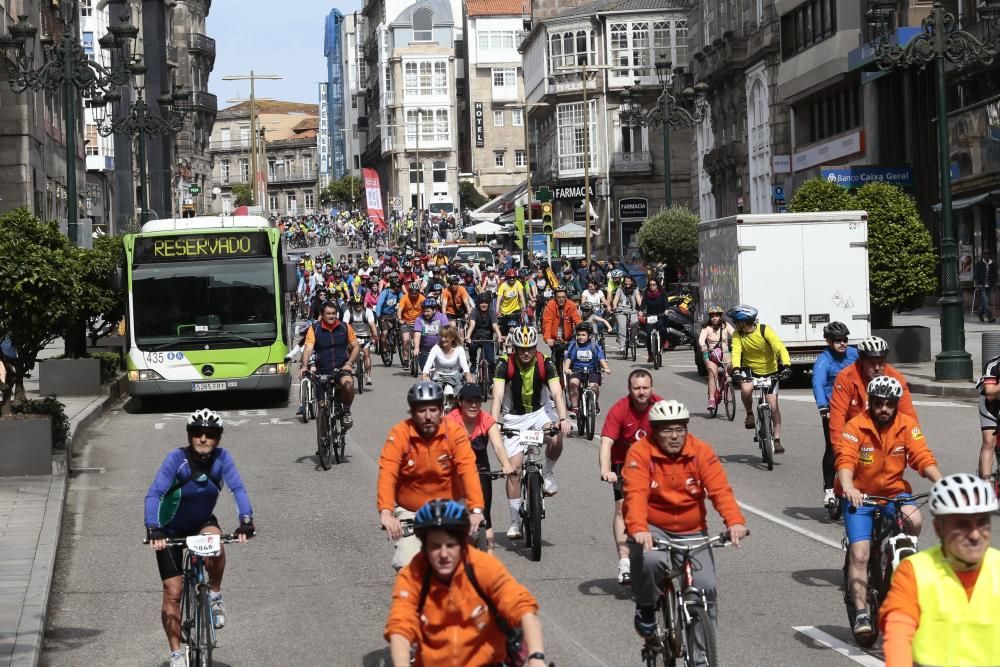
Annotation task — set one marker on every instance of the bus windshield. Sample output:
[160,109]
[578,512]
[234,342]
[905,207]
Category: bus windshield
[228,302]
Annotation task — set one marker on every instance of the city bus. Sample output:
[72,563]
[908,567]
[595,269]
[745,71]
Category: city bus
[206,307]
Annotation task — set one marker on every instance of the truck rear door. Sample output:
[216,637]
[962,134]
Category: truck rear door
[771,276]
[836,277]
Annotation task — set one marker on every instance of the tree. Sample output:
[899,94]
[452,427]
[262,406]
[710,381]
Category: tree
[469,198]
[670,238]
[242,194]
[902,266]
[40,286]
[340,192]
[818,194]
[100,305]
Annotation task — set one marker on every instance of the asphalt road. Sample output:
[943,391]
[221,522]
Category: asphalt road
[313,588]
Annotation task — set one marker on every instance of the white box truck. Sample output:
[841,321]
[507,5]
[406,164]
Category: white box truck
[800,270]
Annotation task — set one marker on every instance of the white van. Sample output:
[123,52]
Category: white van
[474,254]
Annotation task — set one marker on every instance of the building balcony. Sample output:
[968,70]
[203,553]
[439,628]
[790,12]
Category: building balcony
[631,162]
[765,37]
[295,177]
[721,59]
[242,145]
[203,44]
[203,101]
[728,155]
[569,83]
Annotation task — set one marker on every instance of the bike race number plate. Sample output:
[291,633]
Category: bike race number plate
[208,386]
[651,319]
[764,382]
[533,437]
[204,545]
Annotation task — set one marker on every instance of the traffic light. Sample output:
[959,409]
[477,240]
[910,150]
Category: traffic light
[547,218]
[519,227]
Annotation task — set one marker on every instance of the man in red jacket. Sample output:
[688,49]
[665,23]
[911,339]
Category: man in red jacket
[667,477]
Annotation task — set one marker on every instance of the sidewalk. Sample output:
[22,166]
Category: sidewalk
[921,376]
[31,511]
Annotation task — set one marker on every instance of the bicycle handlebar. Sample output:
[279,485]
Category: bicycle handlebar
[548,430]
[229,538]
[716,541]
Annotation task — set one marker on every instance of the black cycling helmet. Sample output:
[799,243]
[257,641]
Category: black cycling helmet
[448,515]
[836,330]
[484,298]
[587,308]
[453,279]
[585,326]
[425,392]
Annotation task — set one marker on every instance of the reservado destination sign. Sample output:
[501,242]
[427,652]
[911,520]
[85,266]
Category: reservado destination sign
[190,247]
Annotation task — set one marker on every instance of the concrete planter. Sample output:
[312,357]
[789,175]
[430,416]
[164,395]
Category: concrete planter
[69,377]
[907,345]
[25,446]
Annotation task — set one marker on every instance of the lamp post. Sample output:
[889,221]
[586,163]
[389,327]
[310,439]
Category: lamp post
[65,65]
[674,109]
[940,42]
[140,123]
[253,77]
[527,167]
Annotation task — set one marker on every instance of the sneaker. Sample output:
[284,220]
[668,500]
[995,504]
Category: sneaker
[778,449]
[624,572]
[828,497]
[645,622]
[863,624]
[301,411]
[218,613]
[748,422]
[179,658]
[711,404]
[347,420]
[571,415]
[549,486]
[368,379]
[514,532]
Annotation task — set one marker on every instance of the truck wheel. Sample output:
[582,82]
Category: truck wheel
[702,369]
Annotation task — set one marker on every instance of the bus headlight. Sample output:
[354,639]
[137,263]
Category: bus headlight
[143,375]
[271,369]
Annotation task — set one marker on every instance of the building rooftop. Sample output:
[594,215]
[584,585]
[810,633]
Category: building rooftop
[610,6]
[497,7]
[276,106]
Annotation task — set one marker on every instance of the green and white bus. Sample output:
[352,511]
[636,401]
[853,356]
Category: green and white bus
[206,307]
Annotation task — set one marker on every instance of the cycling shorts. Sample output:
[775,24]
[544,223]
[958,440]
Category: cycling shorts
[592,377]
[531,420]
[618,487]
[858,524]
[406,328]
[170,561]
[988,418]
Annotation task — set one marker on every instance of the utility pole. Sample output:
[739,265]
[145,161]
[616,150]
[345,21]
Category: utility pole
[252,77]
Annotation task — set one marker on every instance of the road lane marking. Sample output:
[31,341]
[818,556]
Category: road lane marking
[159,426]
[792,527]
[563,634]
[808,398]
[849,651]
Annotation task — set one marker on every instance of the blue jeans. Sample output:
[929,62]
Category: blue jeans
[983,299]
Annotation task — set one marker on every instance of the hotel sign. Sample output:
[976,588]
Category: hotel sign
[480,134]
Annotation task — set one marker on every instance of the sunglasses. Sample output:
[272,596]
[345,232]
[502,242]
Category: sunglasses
[840,341]
[209,432]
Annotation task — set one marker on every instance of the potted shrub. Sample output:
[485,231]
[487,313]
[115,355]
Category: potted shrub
[28,436]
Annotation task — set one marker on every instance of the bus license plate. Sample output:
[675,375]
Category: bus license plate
[208,386]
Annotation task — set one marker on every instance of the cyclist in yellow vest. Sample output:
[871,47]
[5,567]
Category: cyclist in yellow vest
[943,607]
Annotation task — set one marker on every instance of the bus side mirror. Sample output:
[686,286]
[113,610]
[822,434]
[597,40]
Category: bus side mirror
[291,280]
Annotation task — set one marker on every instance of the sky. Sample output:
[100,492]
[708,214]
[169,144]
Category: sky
[289,45]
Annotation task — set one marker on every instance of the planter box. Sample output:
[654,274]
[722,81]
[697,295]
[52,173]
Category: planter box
[25,446]
[69,377]
[907,345]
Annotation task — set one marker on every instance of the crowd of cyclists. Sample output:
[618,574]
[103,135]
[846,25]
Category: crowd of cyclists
[455,604]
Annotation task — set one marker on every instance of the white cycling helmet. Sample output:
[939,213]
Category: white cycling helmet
[205,418]
[524,337]
[617,274]
[962,493]
[668,411]
[873,346]
[884,386]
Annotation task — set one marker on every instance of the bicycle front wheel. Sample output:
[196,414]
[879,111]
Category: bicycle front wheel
[338,439]
[535,515]
[656,349]
[304,397]
[203,631]
[728,398]
[484,377]
[765,436]
[359,373]
[388,349]
[590,414]
[323,449]
[700,643]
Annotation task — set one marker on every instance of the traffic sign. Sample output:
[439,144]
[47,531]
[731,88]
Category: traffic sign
[195,189]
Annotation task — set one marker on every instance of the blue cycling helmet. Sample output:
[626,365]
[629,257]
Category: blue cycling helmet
[742,313]
[448,515]
[430,303]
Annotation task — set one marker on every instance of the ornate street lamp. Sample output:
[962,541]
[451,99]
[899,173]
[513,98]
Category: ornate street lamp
[674,109]
[66,65]
[941,41]
[141,122]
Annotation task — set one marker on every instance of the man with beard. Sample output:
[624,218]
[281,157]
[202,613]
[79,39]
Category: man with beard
[872,453]
[424,457]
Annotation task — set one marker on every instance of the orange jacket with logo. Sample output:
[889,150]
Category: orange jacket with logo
[550,320]
[413,471]
[455,629]
[879,458]
[409,308]
[850,396]
[669,492]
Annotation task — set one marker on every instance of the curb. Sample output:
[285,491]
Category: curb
[943,390]
[34,614]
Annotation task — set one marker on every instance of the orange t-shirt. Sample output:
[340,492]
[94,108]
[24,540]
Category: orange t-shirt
[450,301]
[410,308]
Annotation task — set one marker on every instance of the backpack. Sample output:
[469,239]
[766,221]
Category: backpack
[539,360]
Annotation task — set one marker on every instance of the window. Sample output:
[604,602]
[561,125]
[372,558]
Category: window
[759,141]
[310,200]
[244,135]
[271,169]
[224,171]
[93,140]
[244,170]
[571,48]
[272,202]
[494,40]
[835,112]
[426,77]
[637,47]
[434,125]
[292,201]
[423,25]
[307,167]
[708,21]
[572,151]
[440,173]
[520,158]
[807,25]
[505,81]
[86,8]
[517,117]
[498,119]
[498,158]
[227,205]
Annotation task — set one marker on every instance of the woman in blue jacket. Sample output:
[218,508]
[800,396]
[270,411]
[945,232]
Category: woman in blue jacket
[838,356]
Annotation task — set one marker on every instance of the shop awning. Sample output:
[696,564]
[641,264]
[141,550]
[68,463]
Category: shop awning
[966,202]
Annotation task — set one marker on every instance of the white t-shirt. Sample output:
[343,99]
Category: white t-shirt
[593,298]
[446,364]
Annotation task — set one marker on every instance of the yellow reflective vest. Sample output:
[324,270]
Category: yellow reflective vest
[955,631]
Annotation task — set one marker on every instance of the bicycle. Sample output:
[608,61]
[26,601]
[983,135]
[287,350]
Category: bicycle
[890,544]
[414,363]
[197,621]
[307,395]
[483,376]
[655,347]
[586,405]
[683,623]
[763,433]
[331,437]
[724,393]
[359,365]
[629,346]
[388,349]
[532,498]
